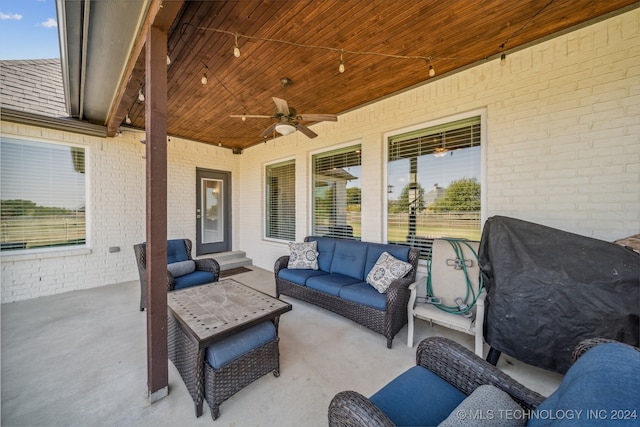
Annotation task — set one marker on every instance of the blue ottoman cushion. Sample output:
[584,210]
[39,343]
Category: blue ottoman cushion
[418,397]
[227,350]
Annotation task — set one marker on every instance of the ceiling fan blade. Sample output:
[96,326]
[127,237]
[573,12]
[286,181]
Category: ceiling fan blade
[281,106]
[251,116]
[268,131]
[305,130]
[318,117]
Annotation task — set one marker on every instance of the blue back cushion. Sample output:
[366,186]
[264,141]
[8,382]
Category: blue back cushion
[325,251]
[602,384]
[375,250]
[176,251]
[349,257]
[418,397]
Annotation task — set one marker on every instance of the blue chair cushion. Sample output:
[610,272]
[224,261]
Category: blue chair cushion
[325,251]
[229,349]
[600,388]
[176,251]
[365,294]
[196,278]
[299,276]
[349,257]
[417,397]
[330,283]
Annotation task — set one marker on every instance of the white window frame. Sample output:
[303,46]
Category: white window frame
[482,113]
[266,196]
[57,251]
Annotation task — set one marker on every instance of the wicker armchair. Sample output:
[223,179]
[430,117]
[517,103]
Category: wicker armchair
[205,265]
[608,378]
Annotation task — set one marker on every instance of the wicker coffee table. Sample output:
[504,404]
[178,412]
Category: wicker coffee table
[202,315]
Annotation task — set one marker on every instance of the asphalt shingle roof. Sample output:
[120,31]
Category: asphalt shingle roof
[33,86]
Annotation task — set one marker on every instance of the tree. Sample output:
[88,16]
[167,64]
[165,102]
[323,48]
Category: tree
[404,204]
[462,195]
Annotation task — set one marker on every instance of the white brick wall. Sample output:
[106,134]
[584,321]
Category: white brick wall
[563,149]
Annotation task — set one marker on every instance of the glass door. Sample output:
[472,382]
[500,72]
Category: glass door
[213,211]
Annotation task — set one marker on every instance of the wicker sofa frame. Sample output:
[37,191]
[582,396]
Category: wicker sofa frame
[387,322]
[204,264]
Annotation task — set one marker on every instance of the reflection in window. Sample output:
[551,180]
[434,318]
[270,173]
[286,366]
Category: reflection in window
[280,222]
[434,184]
[43,195]
[337,193]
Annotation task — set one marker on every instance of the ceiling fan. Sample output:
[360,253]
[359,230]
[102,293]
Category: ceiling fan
[288,119]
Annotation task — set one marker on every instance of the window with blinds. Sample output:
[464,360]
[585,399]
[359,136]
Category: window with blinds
[42,195]
[337,193]
[281,201]
[434,184]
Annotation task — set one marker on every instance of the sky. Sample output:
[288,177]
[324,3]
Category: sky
[28,29]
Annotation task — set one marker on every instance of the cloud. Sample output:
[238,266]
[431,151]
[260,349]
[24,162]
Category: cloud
[13,16]
[49,23]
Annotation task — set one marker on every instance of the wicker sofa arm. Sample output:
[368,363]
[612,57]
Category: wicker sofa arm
[210,265]
[351,409]
[281,263]
[466,371]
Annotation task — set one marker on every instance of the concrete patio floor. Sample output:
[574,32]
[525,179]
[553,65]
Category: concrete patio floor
[79,359]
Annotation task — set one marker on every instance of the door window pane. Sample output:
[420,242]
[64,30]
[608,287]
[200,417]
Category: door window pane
[213,219]
[434,184]
[43,194]
[337,189]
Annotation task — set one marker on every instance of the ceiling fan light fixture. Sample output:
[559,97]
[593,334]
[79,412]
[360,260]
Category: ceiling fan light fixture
[285,129]
[440,152]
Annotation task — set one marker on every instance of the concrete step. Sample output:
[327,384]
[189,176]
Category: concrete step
[232,259]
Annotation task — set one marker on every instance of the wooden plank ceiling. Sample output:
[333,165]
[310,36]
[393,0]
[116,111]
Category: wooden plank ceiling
[386,46]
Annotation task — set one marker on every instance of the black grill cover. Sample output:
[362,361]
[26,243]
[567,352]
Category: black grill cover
[548,289]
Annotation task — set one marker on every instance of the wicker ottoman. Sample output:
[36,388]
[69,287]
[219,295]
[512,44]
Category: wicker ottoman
[220,383]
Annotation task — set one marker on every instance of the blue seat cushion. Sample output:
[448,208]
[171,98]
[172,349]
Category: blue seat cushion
[198,277]
[330,283]
[325,251]
[376,249]
[417,397]
[349,257]
[365,294]
[603,384]
[176,251]
[299,276]
[229,349]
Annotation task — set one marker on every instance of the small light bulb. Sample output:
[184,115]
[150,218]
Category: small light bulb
[127,119]
[341,67]
[140,95]
[244,117]
[503,59]
[168,60]
[236,52]
[432,71]
[204,79]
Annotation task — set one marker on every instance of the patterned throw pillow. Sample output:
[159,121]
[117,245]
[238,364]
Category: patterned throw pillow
[386,270]
[303,256]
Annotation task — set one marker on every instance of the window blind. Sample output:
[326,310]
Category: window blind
[337,193]
[43,194]
[434,184]
[281,201]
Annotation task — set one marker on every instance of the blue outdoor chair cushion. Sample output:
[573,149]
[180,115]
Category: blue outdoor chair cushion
[299,276]
[600,388]
[417,397]
[330,283]
[227,350]
[365,294]
[198,277]
[176,251]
